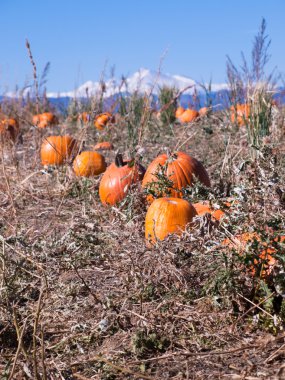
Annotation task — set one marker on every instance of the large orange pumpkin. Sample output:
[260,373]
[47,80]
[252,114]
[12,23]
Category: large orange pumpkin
[179,168]
[88,164]
[9,127]
[179,112]
[117,180]
[240,114]
[167,216]
[55,150]
[105,145]
[188,116]
[102,120]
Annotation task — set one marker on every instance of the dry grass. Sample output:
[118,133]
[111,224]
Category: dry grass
[83,298]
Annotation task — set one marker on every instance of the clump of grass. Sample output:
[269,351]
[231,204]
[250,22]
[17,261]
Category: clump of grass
[168,104]
[251,85]
[144,343]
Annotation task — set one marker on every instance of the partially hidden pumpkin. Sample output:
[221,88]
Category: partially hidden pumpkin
[102,120]
[89,163]
[104,145]
[117,180]
[179,168]
[55,150]
[9,127]
[266,255]
[167,216]
[188,116]
[240,114]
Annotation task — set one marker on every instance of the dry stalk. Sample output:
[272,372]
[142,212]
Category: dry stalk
[28,46]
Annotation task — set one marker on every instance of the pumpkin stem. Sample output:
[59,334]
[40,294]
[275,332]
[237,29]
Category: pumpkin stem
[119,160]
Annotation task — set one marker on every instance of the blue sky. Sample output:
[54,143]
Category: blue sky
[79,38]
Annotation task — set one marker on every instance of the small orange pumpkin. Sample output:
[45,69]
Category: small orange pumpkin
[117,179]
[179,168]
[105,145]
[179,112]
[203,208]
[167,216]
[55,150]
[188,116]
[240,114]
[88,164]
[85,117]
[44,120]
[102,120]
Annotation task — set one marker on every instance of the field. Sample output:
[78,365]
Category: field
[83,297]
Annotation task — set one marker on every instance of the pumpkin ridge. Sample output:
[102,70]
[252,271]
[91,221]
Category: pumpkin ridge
[187,181]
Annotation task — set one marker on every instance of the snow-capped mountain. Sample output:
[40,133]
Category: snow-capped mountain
[143,80]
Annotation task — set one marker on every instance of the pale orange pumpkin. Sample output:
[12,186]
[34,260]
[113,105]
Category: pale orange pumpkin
[203,111]
[180,169]
[55,150]
[104,145]
[87,164]
[167,216]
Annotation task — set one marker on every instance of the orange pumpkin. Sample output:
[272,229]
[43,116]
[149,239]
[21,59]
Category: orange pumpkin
[88,164]
[180,169]
[117,180]
[240,114]
[55,150]
[102,120]
[85,117]
[105,145]
[203,208]
[9,127]
[188,116]
[167,216]
[179,112]
[44,120]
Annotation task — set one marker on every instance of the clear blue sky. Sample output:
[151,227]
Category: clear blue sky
[79,36]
